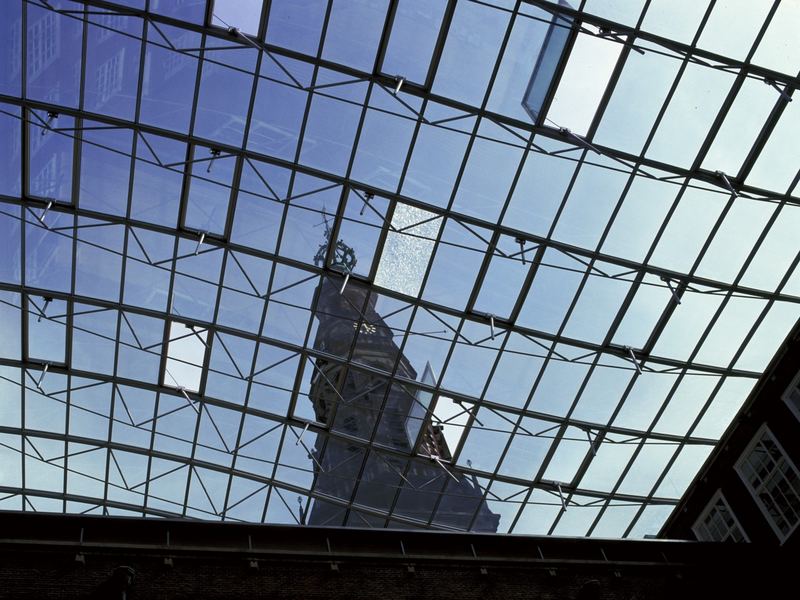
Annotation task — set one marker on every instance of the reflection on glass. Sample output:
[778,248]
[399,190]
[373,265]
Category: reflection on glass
[11,48]
[54,52]
[113,48]
[48,253]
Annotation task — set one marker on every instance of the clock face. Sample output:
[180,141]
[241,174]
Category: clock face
[367,328]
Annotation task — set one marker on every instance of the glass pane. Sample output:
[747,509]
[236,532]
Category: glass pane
[50,156]
[748,114]
[168,89]
[583,83]
[113,49]
[245,15]
[11,48]
[209,190]
[47,329]
[690,113]
[226,83]
[296,25]
[54,52]
[470,52]
[408,249]
[354,31]
[186,350]
[415,30]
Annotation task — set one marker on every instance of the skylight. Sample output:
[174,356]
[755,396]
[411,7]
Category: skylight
[581,216]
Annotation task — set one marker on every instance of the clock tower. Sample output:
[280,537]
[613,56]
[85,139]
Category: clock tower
[385,455]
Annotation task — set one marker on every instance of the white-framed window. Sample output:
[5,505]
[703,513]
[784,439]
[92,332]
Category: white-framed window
[43,43]
[717,523]
[774,482]
[109,77]
[791,395]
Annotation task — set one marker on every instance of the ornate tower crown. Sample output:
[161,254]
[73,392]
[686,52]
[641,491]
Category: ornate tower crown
[344,257]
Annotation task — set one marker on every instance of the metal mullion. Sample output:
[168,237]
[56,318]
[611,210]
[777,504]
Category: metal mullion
[370,445]
[556,442]
[734,92]
[344,67]
[438,49]
[513,187]
[388,24]
[565,247]
[761,140]
[382,237]
[77,152]
[615,75]
[346,195]
[229,235]
[23,299]
[191,141]
[465,160]
[137,111]
[591,347]
[484,102]
[205,371]
[261,478]
[716,125]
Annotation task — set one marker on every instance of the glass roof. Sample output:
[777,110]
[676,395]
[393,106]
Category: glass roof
[478,264]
